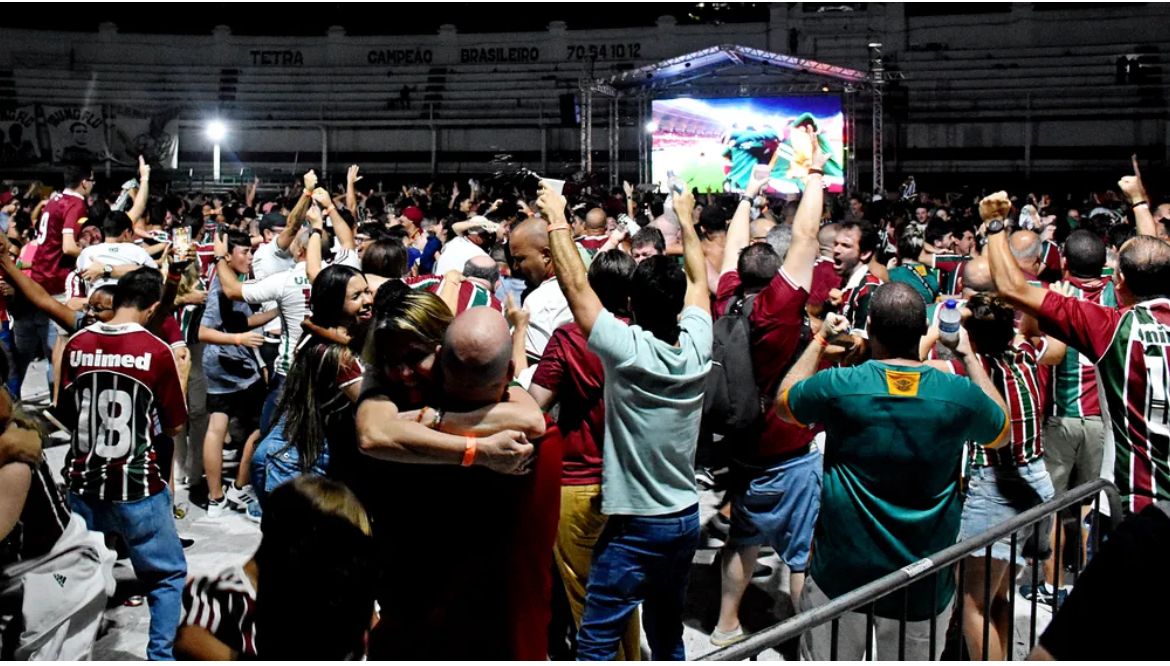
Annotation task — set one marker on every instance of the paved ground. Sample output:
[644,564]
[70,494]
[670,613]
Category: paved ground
[231,540]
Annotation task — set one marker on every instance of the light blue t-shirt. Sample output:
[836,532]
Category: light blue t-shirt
[653,404]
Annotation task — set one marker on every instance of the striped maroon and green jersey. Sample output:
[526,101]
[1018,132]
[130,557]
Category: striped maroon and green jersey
[114,377]
[1130,349]
[855,299]
[1016,375]
[225,606]
[470,294]
[950,268]
[1074,381]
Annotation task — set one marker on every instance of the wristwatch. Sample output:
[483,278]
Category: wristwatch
[994,227]
[107,270]
[219,258]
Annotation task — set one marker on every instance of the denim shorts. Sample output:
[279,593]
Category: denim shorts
[998,494]
[778,506]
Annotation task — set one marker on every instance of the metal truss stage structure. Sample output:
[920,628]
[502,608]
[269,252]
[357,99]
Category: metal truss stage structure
[730,71]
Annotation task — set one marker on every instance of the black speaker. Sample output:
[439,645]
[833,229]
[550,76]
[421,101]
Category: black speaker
[568,104]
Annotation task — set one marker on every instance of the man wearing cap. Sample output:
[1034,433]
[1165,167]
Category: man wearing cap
[418,240]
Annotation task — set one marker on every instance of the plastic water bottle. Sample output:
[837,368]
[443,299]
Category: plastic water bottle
[949,320]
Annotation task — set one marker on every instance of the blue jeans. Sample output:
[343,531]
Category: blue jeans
[995,495]
[8,344]
[34,335]
[148,528]
[639,559]
[269,407]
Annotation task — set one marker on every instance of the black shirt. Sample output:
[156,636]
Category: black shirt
[1115,610]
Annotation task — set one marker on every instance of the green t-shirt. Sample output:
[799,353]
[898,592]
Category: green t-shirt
[894,448]
[923,278]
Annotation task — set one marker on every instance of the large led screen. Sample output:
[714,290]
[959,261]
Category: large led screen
[713,144]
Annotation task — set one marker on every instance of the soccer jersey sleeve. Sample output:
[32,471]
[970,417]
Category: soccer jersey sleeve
[73,215]
[349,371]
[808,401]
[1086,327]
[779,303]
[728,284]
[263,291]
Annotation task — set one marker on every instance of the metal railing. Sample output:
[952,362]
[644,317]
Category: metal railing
[937,564]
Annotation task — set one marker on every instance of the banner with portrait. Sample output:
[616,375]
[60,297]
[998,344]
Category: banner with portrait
[19,128]
[76,133]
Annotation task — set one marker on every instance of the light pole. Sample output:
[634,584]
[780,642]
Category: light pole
[216,131]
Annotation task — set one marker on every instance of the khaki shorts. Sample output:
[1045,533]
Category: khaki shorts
[1073,449]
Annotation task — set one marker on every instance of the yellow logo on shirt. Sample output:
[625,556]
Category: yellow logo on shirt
[902,383]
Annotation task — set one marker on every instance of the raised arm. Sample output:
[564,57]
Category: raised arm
[297,214]
[461,228]
[1010,281]
[802,253]
[698,293]
[1139,201]
[351,179]
[313,260]
[571,273]
[228,280]
[340,226]
[36,294]
[142,196]
[739,232]
[250,195]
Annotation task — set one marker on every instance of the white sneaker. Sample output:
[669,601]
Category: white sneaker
[217,509]
[725,638]
[240,498]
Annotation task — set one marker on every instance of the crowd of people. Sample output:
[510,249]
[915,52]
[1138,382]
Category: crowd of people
[449,407]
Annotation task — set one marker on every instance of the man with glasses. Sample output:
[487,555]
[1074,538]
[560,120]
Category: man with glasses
[56,255]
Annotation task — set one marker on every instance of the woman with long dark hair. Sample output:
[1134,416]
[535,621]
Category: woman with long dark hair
[314,413]
[306,594]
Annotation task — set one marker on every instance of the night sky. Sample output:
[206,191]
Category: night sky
[372,19]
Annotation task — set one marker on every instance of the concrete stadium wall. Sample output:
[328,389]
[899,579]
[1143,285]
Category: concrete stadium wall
[1019,90]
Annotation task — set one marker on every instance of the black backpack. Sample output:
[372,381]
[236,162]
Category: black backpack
[731,403]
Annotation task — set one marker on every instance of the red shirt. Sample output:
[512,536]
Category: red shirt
[576,374]
[171,333]
[59,217]
[725,293]
[824,280]
[114,377]
[776,320]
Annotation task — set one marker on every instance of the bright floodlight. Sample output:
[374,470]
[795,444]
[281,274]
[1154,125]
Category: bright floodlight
[216,130]
[651,127]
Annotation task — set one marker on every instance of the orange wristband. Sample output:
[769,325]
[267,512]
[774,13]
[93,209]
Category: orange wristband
[469,452]
[822,340]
